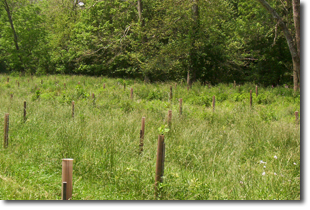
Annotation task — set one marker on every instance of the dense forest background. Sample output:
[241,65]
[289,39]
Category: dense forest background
[215,41]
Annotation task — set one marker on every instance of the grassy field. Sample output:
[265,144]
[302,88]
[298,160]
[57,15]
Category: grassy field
[234,153]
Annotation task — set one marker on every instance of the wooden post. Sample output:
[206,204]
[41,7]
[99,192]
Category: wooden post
[65,85]
[28,80]
[11,96]
[187,87]
[104,86]
[170,95]
[6,131]
[256,90]
[73,109]
[159,162]
[142,133]
[67,168]
[79,83]
[124,86]
[180,107]
[8,80]
[251,98]
[234,84]
[64,191]
[93,96]
[25,111]
[41,81]
[296,117]
[213,103]
[18,84]
[169,118]
[131,93]
[175,86]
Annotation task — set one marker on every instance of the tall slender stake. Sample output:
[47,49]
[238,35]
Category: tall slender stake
[41,81]
[124,86]
[180,107]
[131,93]
[6,131]
[159,163]
[25,111]
[142,134]
[296,117]
[251,98]
[67,168]
[73,109]
[169,118]
[213,103]
[170,95]
[104,86]
[65,85]
[256,90]
[18,84]
[234,84]
[93,96]
[8,80]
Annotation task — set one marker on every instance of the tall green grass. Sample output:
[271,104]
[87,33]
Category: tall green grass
[209,155]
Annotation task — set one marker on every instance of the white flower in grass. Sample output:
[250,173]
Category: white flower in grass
[295,163]
[263,173]
[275,173]
[262,162]
[264,166]
[241,182]
[275,157]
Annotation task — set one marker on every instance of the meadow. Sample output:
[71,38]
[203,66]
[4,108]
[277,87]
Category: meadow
[235,152]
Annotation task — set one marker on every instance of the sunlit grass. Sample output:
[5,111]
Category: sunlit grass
[209,155]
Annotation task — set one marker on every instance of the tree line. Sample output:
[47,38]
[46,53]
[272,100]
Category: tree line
[154,40]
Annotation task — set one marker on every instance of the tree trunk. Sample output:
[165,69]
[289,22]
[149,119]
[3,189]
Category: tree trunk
[7,9]
[290,42]
[296,14]
[192,53]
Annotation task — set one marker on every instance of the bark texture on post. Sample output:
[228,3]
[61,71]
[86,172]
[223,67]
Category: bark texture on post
[296,14]
[170,95]
[213,103]
[296,117]
[256,90]
[131,93]
[169,118]
[142,133]
[67,169]
[72,109]
[159,162]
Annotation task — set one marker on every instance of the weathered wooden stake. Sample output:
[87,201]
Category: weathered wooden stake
[180,107]
[142,133]
[169,118]
[170,95]
[64,191]
[6,130]
[8,80]
[65,85]
[41,81]
[72,109]
[124,86]
[104,86]
[296,117]
[213,103]
[11,96]
[234,84]
[159,163]
[18,84]
[25,111]
[251,98]
[28,80]
[67,168]
[93,96]
[131,93]
[256,90]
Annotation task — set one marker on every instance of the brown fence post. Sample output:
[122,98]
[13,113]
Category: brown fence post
[131,93]
[170,95]
[142,131]
[296,117]
[256,90]
[8,80]
[25,111]
[18,84]
[6,130]
[251,98]
[67,169]
[159,163]
[104,86]
[213,103]
[41,81]
[73,109]
[65,85]
[169,118]
[180,107]
[234,84]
